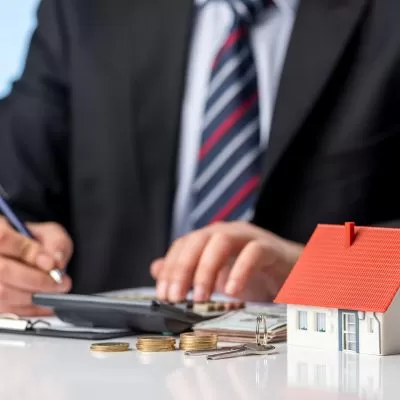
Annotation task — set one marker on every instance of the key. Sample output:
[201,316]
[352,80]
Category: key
[251,349]
[225,349]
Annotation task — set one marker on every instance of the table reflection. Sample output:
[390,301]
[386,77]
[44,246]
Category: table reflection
[67,370]
[242,378]
[352,375]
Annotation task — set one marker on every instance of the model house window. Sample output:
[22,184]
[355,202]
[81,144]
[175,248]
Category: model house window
[320,322]
[371,325]
[302,318]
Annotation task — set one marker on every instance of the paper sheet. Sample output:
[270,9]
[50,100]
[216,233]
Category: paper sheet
[244,321]
[59,325]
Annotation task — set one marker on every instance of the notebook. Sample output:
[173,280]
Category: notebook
[54,327]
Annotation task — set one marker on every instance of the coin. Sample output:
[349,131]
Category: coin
[155,349]
[156,339]
[111,347]
[155,343]
[198,341]
[198,337]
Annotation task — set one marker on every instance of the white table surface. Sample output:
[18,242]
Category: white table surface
[58,369]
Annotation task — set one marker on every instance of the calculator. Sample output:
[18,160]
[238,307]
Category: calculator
[140,315]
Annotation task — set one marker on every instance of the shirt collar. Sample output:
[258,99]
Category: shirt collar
[282,4]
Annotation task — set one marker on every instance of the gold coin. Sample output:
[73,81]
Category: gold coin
[161,345]
[166,343]
[155,350]
[115,344]
[109,350]
[155,343]
[194,341]
[156,339]
[198,335]
[188,347]
[199,343]
[110,347]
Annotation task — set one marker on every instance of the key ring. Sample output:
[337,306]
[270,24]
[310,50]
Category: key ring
[261,319]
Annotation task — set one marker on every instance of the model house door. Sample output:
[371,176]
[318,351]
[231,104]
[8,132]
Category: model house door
[349,331]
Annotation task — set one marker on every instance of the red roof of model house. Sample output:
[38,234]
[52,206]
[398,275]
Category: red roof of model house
[346,267]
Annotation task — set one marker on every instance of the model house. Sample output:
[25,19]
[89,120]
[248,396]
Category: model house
[343,293]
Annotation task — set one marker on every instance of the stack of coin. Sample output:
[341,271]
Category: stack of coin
[155,343]
[112,347]
[198,341]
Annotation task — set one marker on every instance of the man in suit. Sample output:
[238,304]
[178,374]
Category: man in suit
[140,123]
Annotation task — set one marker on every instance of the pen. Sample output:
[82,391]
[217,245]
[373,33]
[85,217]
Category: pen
[19,225]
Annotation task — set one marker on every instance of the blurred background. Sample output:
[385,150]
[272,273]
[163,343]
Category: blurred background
[17,20]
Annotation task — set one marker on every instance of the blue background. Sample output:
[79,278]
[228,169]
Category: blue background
[17,20]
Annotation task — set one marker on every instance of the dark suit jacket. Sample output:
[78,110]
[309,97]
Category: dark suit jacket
[94,127]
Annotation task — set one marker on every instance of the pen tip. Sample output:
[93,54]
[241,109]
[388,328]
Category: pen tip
[57,275]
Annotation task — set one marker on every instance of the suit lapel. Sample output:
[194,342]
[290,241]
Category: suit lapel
[320,34]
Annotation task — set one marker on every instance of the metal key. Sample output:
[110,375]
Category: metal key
[218,350]
[251,349]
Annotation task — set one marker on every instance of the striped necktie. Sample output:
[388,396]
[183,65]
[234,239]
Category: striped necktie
[228,164]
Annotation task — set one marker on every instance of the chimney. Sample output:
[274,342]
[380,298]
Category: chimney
[349,233]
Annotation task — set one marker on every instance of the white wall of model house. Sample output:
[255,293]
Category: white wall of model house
[316,318]
[370,325]
[391,328]
[311,337]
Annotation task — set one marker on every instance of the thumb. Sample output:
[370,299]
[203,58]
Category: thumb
[55,240]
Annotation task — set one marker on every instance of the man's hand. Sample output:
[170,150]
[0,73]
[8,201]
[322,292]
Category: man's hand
[235,258]
[25,263]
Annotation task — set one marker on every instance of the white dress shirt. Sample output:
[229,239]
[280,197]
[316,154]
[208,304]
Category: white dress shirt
[270,37]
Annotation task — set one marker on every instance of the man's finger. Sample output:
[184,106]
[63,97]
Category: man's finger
[222,278]
[244,231]
[184,265]
[28,311]
[14,245]
[253,257]
[14,297]
[55,240]
[220,248]
[162,281]
[20,276]
[156,267]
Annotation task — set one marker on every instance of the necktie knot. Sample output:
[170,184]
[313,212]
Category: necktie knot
[247,11]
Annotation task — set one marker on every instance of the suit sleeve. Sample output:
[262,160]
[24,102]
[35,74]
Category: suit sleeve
[34,123]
